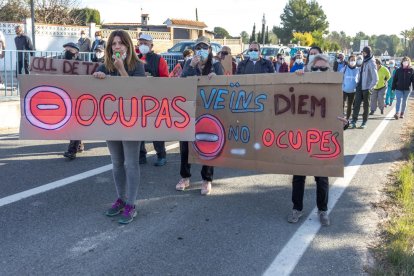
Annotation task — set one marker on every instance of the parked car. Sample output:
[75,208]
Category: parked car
[175,53]
[268,51]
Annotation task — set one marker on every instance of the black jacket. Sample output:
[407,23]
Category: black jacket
[23,42]
[403,79]
[188,70]
[249,67]
[152,64]
[98,42]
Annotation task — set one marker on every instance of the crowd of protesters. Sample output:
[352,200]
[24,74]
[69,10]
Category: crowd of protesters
[366,82]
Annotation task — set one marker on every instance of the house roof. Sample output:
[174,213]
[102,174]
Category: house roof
[185,22]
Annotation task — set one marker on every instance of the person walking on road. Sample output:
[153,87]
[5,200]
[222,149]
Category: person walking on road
[320,63]
[255,64]
[75,146]
[339,63]
[367,79]
[121,60]
[378,93]
[155,66]
[403,84]
[281,65]
[359,61]
[299,65]
[390,96]
[23,43]
[98,41]
[349,83]
[84,44]
[201,64]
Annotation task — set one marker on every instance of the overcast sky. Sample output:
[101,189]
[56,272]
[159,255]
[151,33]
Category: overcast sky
[351,16]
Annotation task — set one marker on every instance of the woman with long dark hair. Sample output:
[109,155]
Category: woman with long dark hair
[202,64]
[121,60]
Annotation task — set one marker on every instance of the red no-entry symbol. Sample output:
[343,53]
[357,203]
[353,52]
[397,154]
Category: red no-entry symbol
[47,107]
[209,137]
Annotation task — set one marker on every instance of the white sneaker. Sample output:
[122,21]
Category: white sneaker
[206,187]
[183,184]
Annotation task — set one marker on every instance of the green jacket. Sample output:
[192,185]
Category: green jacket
[383,77]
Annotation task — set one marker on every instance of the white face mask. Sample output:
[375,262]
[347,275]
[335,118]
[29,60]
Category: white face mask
[99,55]
[405,63]
[359,62]
[352,63]
[311,58]
[392,65]
[144,49]
[97,37]
[188,57]
[299,60]
[83,36]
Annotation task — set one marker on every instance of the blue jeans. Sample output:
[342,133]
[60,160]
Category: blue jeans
[126,172]
[402,95]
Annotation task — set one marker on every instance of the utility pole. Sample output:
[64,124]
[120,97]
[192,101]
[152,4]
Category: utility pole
[33,23]
[263,28]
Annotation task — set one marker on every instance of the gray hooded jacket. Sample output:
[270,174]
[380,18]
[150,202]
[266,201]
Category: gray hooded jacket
[369,74]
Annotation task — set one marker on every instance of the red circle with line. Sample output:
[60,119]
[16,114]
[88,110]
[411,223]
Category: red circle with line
[209,137]
[48,107]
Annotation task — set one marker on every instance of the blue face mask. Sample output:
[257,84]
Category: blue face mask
[203,54]
[254,55]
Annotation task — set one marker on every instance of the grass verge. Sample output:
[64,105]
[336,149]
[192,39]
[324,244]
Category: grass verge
[397,250]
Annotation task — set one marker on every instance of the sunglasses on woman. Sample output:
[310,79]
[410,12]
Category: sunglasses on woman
[253,50]
[317,68]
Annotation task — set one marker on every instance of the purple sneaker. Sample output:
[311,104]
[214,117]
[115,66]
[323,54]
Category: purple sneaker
[116,208]
[128,215]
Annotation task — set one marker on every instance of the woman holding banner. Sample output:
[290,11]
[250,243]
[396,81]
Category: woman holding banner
[121,60]
[319,63]
[202,64]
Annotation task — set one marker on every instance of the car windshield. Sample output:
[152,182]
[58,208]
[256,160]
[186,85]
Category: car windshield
[180,47]
[269,51]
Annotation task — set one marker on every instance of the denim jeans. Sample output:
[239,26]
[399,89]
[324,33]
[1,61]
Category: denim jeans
[126,171]
[402,96]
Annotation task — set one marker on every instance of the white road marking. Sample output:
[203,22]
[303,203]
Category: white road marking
[63,182]
[287,259]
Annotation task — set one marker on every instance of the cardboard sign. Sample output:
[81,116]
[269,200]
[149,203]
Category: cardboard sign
[41,65]
[227,64]
[276,123]
[176,72]
[115,108]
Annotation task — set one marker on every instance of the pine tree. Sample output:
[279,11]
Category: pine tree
[253,36]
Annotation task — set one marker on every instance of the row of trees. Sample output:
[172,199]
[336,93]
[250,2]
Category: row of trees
[64,12]
[305,22]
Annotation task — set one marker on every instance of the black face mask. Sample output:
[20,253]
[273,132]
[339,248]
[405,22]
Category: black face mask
[69,55]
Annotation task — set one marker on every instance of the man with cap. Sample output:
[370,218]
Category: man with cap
[75,146]
[155,66]
[255,64]
[99,54]
[84,43]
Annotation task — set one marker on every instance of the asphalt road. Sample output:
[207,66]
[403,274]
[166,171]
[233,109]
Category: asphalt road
[238,230]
